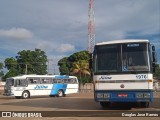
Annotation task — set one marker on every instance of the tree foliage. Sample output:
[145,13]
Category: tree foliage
[157,71]
[11,65]
[64,66]
[80,68]
[1,67]
[32,62]
[76,64]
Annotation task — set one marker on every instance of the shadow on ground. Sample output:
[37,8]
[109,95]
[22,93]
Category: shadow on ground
[72,103]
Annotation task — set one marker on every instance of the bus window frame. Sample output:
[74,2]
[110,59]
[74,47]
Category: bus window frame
[46,79]
[34,79]
[20,80]
[54,81]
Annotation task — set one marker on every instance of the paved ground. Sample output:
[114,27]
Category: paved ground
[71,104]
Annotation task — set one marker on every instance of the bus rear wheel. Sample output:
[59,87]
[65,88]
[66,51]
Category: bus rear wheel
[51,95]
[145,104]
[18,97]
[60,93]
[105,104]
[25,95]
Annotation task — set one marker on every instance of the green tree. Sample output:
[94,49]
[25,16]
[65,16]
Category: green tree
[32,61]
[157,72]
[1,67]
[81,69]
[74,64]
[11,65]
[82,55]
[64,66]
[27,62]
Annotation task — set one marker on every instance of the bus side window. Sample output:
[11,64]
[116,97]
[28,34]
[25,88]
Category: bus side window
[49,80]
[30,80]
[33,80]
[22,83]
[65,81]
[17,83]
[59,81]
[42,80]
[73,81]
[46,80]
[69,81]
[36,81]
[54,81]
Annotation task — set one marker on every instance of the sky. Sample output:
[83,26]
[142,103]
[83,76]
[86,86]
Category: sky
[60,27]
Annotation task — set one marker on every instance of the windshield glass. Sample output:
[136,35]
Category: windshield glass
[10,82]
[134,57]
[121,58]
[108,58]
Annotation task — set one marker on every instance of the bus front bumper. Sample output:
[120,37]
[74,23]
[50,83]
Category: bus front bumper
[124,96]
[8,94]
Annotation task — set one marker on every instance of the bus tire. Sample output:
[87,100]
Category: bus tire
[18,97]
[105,104]
[51,95]
[60,93]
[25,95]
[145,104]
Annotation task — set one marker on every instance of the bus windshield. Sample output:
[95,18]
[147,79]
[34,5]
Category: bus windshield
[10,82]
[129,57]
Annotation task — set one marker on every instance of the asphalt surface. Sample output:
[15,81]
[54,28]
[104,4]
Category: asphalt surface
[76,106]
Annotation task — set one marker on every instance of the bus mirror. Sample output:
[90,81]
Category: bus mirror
[153,48]
[154,54]
[154,67]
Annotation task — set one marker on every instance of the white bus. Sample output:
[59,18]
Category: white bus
[123,72]
[33,85]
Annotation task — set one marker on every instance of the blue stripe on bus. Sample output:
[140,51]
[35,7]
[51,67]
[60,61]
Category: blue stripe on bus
[57,87]
[131,96]
[61,76]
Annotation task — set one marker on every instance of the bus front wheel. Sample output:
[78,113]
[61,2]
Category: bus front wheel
[60,93]
[18,97]
[105,104]
[25,95]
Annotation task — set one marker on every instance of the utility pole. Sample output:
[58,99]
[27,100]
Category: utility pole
[26,69]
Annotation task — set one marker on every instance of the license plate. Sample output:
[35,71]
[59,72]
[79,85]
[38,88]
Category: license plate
[122,95]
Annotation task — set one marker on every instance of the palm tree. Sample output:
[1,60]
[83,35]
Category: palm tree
[81,69]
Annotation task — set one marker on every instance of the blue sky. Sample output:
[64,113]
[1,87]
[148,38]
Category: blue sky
[60,27]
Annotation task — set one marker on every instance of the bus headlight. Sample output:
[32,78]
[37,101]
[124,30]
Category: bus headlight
[147,95]
[106,95]
[99,95]
[139,95]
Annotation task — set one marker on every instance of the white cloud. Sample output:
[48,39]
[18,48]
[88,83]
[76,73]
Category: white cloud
[125,16]
[16,33]
[53,26]
[66,48]
[114,35]
[45,45]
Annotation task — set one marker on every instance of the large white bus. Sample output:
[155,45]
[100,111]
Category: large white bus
[33,85]
[123,72]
